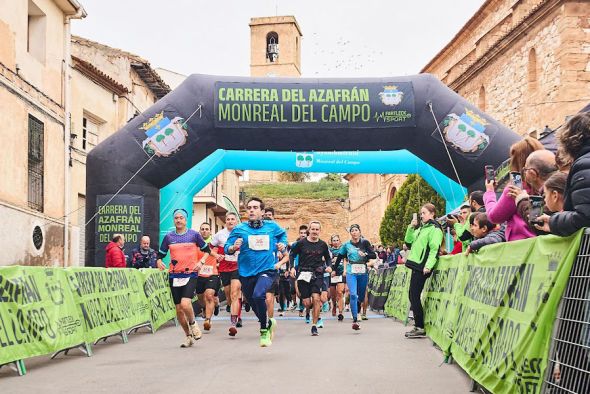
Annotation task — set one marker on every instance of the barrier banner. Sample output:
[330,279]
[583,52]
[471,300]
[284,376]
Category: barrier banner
[108,300]
[440,297]
[398,302]
[378,295]
[506,305]
[37,313]
[157,291]
[372,284]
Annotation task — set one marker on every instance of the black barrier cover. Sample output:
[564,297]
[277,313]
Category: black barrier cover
[183,128]
[379,287]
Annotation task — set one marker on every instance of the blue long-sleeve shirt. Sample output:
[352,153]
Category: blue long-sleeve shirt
[258,247]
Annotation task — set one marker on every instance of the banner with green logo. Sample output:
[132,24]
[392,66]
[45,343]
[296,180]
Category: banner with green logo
[494,310]
[44,310]
[398,303]
[37,313]
[157,291]
[379,288]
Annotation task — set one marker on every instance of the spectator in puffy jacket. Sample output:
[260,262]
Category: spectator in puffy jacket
[574,140]
[115,258]
[484,232]
[144,256]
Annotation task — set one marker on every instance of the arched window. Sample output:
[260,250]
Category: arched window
[481,102]
[392,192]
[272,47]
[532,69]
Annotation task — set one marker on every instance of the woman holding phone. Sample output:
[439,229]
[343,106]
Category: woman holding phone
[425,240]
[357,252]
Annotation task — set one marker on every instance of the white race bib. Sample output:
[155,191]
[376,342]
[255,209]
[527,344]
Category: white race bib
[206,270]
[305,276]
[336,279]
[284,267]
[358,268]
[231,257]
[259,242]
[179,282]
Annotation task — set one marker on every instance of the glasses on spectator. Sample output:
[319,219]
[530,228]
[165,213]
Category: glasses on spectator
[525,169]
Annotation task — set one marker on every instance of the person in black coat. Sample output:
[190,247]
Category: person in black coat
[574,141]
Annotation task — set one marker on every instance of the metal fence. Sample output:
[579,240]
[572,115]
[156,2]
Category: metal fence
[568,369]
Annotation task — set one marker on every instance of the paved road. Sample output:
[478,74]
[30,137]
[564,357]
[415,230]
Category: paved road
[378,359]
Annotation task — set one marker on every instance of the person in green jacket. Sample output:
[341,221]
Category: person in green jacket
[425,241]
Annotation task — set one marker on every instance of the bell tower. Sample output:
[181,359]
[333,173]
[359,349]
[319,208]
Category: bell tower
[275,47]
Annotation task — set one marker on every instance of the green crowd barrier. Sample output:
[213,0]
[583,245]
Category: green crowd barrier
[46,310]
[398,303]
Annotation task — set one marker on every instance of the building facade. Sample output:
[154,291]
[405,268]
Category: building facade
[34,105]
[525,62]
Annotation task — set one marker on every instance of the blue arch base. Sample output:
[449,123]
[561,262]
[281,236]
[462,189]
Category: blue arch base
[180,192]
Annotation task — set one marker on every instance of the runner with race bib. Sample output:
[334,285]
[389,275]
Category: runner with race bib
[208,282]
[184,246]
[358,251]
[337,280]
[314,256]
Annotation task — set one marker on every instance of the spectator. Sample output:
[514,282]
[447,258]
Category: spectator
[484,232]
[574,140]
[461,225]
[115,258]
[381,254]
[457,245]
[538,167]
[403,254]
[144,256]
[476,201]
[554,195]
[519,152]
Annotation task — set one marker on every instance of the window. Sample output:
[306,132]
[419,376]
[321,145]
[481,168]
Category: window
[272,47]
[482,99]
[36,135]
[89,133]
[36,32]
[532,68]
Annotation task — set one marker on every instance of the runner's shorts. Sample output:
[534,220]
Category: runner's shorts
[186,291]
[227,277]
[274,288]
[210,282]
[314,286]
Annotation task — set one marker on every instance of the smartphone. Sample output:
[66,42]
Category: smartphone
[415,216]
[490,173]
[516,179]
[536,209]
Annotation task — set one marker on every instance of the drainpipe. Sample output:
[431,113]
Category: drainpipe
[80,13]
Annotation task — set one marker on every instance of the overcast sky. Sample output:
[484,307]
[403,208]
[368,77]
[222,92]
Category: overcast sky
[341,38]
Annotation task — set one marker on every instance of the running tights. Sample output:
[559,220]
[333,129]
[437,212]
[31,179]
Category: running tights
[357,286]
[255,288]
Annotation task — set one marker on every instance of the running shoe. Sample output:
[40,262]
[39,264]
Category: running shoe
[272,326]
[233,331]
[356,326]
[207,325]
[320,323]
[194,330]
[239,323]
[216,310]
[326,307]
[265,340]
[281,313]
[416,333]
[307,318]
[340,317]
[314,331]
[293,308]
[228,308]
[364,316]
[300,313]
[188,342]
[246,307]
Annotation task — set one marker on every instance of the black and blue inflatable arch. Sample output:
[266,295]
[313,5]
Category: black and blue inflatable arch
[211,123]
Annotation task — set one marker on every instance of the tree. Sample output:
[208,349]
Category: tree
[288,176]
[410,197]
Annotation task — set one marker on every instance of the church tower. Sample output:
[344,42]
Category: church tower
[275,47]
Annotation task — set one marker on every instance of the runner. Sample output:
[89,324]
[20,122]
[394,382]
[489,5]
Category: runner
[208,282]
[228,271]
[284,284]
[184,244]
[303,232]
[358,251]
[257,240]
[337,281]
[313,257]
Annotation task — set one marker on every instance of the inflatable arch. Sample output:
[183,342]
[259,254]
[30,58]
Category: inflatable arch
[163,157]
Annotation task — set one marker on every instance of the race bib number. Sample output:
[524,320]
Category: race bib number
[179,282]
[231,257]
[284,267]
[305,276]
[259,242]
[206,270]
[358,268]
[336,279]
